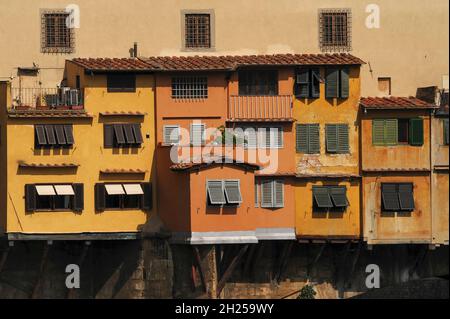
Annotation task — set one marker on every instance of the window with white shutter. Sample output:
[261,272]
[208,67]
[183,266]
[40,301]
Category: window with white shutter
[171,134]
[224,192]
[272,193]
[198,134]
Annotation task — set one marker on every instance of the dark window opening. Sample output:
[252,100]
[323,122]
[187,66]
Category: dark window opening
[44,202]
[335,29]
[197,31]
[63,202]
[258,82]
[403,131]
[113,201]
[307,83]
[121,82]
[56,37]
[123,196]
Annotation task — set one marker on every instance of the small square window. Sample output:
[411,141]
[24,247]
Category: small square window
[197,30]
[56,37]
[403,131]
[384,86]
[335,29]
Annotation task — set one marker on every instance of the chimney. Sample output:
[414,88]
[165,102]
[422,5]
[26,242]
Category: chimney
[135,50]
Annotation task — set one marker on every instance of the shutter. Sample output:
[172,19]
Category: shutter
[331,131]
[256,194]
[171,134]
[322,197]
[315,83]
[147,197]
[406,197]
[446,137]
[60,137]
[313,139]
[100,197]
[50,133]
[118,133]
[216,192]
[68,130]
[342,138]
[344,83]
[416,132]
[301,137]
[251,137]
[78,201]
[108,135]
[303,83]
[378,132]
[331,83]
[233,192]
[137,133]
[197,134]
[389,196]
[40,133]
[278,194]
[266,194]
[339,196]
[277,137]
[263,136]
[129,133]
[30,198]
[391,132]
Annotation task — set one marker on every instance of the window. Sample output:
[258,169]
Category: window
[258,82]
[308,83]
[54,197]
[171,134]
[397,196]
[198,137]
[190,87]
[445,123]
[307,138]
[53,135]
[263,137]
[121,82]
[122,135]
[337,138]
[197,30]
[272,193]
[337,83]
[335,29]
[224,192]
[123,196]
[384,86]
[329,198]
[56,37]
[397,131]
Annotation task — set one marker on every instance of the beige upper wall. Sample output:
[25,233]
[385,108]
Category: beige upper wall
[411,45]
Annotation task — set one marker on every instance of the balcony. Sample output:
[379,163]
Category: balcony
[277,108]
[64,98]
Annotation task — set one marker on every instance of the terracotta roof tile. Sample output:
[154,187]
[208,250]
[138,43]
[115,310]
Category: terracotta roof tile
[199,63]
[395,103]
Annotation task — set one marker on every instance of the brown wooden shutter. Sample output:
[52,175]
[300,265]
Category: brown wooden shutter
[147,199]
[108,135]
[100,197]
[59,129]
[68,129]
[138,133]
[30,198]
[78,201]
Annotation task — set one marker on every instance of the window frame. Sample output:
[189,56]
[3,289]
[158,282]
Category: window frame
[203,132]
[225,203]
[196,85]
[397,192]
[67,131]
[113,79]
[76,201]
[113,128]
[346,33]
[69,45]
[333,208]
[273,201]
[173,127]
[121,207]
[258,82]
[309,149]
[183,16]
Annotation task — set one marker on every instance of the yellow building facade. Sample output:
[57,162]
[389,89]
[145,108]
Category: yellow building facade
[90,185]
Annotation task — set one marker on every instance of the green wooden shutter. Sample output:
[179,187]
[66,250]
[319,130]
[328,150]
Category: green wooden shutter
[331,133]
[30,197]
[378,132]
[303,83]
[331,83]
[301,136]
[390,132]
[313,139]
[416,132]
[315,83]
[446,132]
[342,138]
[344,83]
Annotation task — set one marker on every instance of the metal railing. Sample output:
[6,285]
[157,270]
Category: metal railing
[277,107]
[47,98]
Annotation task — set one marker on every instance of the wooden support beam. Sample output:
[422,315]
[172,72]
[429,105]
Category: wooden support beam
[249,259]
[259,254]
[38,282]
[420,258]
[71,294]
[198,263]
[229,271]
[353,265]
[316,259]
[284,259]
[4,257]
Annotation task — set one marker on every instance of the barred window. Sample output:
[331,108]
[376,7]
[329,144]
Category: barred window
[335,29]
[56,37]
[197,30]
[190,87]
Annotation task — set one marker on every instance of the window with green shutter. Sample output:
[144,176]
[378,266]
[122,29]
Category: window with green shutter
[384,132]
[308,138]
[337,83]
[344,83]
[416,132]
[330,198]
[307,83]
[337,140]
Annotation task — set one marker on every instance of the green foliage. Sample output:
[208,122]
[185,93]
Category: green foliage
[307,292]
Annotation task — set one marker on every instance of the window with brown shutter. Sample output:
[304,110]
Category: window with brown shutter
[122,135]
[54,197]
[56,37]
[53,135]
[335,29]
